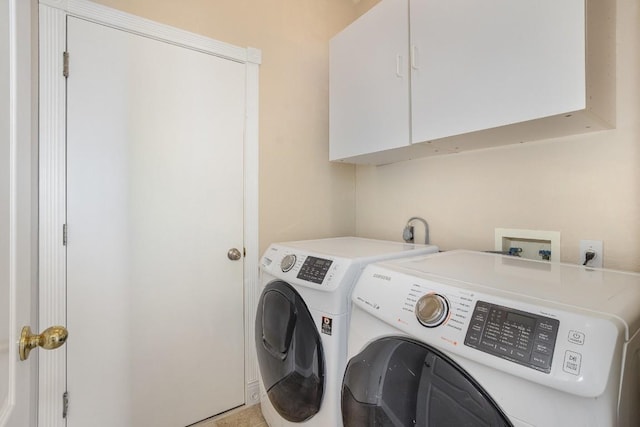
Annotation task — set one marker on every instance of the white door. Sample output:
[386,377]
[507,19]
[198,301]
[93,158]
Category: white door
[17,265]
[154,202]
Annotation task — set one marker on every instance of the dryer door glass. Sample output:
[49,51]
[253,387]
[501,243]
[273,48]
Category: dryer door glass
[401,382]
[289,351]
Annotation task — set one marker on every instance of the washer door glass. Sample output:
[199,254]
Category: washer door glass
[289,351]
[401,382]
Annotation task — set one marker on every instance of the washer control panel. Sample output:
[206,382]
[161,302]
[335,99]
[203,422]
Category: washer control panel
[314,269]
[521,337]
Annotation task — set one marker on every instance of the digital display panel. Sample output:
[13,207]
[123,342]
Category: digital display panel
[519,319]
[314,269]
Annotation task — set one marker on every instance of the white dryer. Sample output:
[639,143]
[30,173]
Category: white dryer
[301,323]
[466,338]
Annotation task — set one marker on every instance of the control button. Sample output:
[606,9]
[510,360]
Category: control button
[576,337]
[287,262]
[479,317]
[502,349]
[542,348]
[520,355]
[472,339]
[572,362]
[543,337]
[541,360]
[545,326]
[476,327]
[483,307]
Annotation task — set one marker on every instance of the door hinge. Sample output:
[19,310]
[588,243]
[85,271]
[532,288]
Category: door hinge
[65,64]
[65,404]
[64,234]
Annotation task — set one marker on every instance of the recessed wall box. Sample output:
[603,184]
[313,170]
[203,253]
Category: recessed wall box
[530,244]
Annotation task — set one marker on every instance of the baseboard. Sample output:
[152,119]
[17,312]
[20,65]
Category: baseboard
[253,393]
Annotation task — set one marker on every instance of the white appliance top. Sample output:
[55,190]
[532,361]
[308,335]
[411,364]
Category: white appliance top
[355,248]
[615,293]
[324,271]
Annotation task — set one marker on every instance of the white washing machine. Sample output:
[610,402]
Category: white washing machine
[302,324]
[474,339]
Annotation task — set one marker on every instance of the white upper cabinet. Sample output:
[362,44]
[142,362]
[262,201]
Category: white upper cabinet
[483,64]
[412,78]
[369,83]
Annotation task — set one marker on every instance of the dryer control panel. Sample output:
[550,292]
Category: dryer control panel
[515,335]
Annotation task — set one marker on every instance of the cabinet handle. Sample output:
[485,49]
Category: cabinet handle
[399,66]
[414,57]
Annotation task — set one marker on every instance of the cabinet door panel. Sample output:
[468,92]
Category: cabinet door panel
[369,84]
[485,64]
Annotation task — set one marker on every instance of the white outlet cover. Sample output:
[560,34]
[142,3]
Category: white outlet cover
[595,246]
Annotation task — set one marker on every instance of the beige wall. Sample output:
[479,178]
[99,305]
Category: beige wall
[586,187]
[302,195]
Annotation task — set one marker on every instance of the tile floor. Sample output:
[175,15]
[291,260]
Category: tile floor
[245,416]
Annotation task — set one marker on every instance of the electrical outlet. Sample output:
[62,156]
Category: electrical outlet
[591,246]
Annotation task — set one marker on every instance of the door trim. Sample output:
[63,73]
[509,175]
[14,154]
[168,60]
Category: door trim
[10,346]
[52,198]
[21,162]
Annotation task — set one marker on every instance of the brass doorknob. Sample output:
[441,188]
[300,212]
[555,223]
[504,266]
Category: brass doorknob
[51,338]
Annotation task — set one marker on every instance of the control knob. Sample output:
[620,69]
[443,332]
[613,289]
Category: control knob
[287,262]
[432,310]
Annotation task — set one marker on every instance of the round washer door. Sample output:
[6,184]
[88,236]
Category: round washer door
[289,351]
[399,382]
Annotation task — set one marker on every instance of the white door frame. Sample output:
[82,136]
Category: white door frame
[52,185]
[17,408]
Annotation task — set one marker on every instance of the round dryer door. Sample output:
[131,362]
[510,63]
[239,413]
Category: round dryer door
[289,351]
[397,382]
